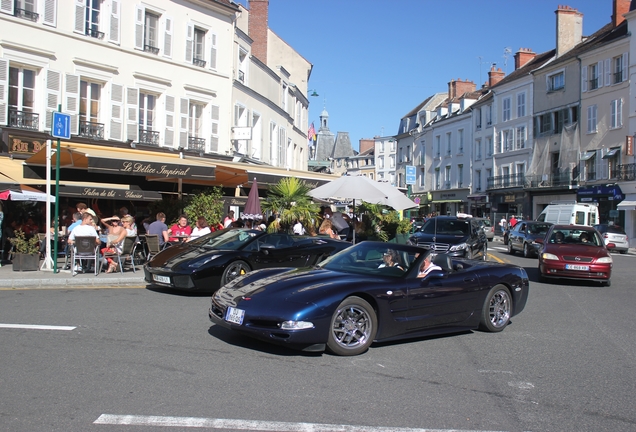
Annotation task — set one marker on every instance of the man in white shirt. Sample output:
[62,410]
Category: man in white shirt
[428,266]
[86,229]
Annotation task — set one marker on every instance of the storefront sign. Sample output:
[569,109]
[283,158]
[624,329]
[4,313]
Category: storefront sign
[629,146]
[509,198]
[149,169]
[25,145]
[105,193]
[593,193]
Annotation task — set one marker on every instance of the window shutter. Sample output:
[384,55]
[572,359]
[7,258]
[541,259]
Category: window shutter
[214,139]
[184,107]
[113,31]
[169,134]
[601,165]
[583,78]
[608,72]
[4,91]
[140,14]
[582,167]
[599,74]
[132,113]
[625,67]
[71,100]
[80,17]
[167,38]
[52,95]
[116,111]
[212,44]
[619,113]
[7,6]
[50,12]
[189,42]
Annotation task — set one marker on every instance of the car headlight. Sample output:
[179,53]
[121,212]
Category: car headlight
[549,256]
[459,247]
[197,264]
[296,325]
[604,260]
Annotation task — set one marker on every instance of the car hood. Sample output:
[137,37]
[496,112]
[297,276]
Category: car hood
[440,238]
[177,254]
[576,250]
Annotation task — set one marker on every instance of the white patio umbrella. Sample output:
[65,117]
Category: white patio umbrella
[362,188]
[24,193]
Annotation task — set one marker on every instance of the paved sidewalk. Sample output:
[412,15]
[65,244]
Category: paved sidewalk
[47,279]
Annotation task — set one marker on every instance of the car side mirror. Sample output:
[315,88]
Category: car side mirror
[265,248]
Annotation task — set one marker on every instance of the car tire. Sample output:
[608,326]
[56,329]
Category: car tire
[607,283]
[497,310]
[542,278]
[526,250]
[511,251]
[353,327]
[505,240]
[234,270]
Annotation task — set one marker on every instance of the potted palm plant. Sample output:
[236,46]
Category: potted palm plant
[26,256]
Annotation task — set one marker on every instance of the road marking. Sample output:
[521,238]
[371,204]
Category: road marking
[251,425]
[37,327]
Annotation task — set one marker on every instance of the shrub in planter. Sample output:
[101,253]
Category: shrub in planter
[26,255]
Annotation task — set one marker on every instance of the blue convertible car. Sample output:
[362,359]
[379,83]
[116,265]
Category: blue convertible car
[359,296]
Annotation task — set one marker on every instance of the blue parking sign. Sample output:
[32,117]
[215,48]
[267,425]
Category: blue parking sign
[410,175]
[61,125]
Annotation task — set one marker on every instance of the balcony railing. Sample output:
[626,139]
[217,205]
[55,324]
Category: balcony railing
[91,130]
[551,180]
[148,137]
[24,120]
[151,49]
[195,143]
[593,83]
[627,172]
[94,33]
[506,181]
[26,14]
[198,62]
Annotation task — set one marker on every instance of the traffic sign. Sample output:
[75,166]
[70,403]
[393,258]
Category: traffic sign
[61,125]
[410,175]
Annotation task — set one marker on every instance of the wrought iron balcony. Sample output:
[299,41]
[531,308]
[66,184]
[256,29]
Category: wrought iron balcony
[91,130]
[151,49]
[94,33]
[148,137]
[195,143]
[627,172]
[564,179]
[506,181]
[26,14]
[24,120]
[198,62]
[593,83]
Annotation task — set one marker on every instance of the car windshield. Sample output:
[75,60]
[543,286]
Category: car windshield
[459,227]
[576,236]
[371,258]
[232,239]
[538,228]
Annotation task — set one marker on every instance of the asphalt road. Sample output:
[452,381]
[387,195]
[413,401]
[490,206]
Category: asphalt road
[141,360]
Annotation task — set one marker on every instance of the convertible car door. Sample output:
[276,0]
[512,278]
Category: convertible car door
[438,302]
[278,250]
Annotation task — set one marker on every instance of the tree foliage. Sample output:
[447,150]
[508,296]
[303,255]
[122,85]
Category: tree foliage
[290,200]
[208,204]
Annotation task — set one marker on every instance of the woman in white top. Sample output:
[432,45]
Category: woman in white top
[200,229]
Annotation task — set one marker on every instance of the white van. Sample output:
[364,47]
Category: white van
[570,213]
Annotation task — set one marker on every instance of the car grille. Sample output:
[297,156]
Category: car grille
[435,247]
[577,259]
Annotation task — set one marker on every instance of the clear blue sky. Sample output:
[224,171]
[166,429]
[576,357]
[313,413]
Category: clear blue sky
[375,60]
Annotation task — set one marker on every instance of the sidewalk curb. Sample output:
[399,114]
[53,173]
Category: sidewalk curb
[94,282]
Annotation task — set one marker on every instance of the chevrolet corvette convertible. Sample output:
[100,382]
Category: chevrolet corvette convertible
[207,263]
[359,296]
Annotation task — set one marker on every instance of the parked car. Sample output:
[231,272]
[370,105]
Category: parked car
[351,299]
[456,236]
[616,235]
[575,252]
[207,263]
[487,227]
[523,237]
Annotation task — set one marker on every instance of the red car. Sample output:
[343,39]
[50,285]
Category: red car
[574,252]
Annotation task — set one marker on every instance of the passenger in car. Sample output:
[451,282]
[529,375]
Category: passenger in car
[428,266]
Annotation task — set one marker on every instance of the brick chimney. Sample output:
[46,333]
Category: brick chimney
[569,29]
[621,7]
[495,75]
[523,56]
[258,26]
[366,144]
[459,87]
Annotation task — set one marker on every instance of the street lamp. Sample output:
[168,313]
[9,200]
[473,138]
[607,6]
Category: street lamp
[313,93]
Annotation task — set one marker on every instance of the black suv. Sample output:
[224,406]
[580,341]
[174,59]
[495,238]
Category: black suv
[457,237]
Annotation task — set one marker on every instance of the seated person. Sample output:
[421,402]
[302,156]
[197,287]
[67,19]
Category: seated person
[390,259]
[428,266]
[558,237]
[584,238]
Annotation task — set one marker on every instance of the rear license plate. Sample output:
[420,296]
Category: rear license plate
[162,279]
[235,315]
[576,267]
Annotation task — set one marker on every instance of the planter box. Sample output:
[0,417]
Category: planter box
[26,262]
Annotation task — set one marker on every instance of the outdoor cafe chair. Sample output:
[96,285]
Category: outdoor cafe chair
[84,249]
[152,243]
[127,253]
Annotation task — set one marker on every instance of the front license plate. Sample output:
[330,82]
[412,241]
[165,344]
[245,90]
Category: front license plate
[162,279]
[235,315]
[576,267]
